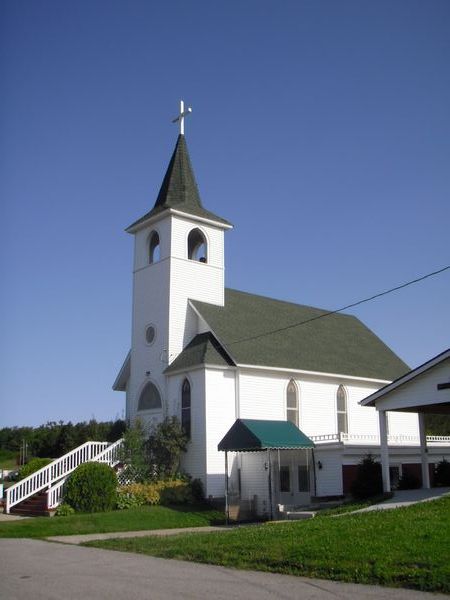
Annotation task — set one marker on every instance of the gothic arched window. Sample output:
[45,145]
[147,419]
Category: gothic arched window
[341,410]
[197,247]
[292,403]
[153,247]
[186,408]
[150,398]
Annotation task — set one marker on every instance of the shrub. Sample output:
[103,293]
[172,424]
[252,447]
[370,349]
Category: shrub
[92,487]
[32,466]
[368,481]
[144,493]
[164,492]
[64,510]
[408,481]
[126,499]
[176,491]
[442,473]
[198,493]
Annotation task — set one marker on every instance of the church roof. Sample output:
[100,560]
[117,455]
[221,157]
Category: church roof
[179,189]
[203,349]
[336,343]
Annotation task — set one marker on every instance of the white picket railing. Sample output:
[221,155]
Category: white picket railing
[57,470]
[110,456]
[350,438]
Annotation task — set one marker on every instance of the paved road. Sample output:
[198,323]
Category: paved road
[50,571]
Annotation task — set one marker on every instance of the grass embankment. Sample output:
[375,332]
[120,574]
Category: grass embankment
[8,460]
[407,547]
[133,519]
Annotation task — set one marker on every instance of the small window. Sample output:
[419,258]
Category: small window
[341,409]
[292,403]
[303,478]
[150,398]
[197,249]
[153,247]
[150,334]
[285,479]
[186,408]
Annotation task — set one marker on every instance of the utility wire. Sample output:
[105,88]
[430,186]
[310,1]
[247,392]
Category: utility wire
[333,312]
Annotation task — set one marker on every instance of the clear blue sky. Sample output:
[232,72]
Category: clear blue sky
[320,128]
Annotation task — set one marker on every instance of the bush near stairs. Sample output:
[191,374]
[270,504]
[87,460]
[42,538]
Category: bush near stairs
[92,487]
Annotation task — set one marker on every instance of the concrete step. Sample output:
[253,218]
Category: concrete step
[298,515]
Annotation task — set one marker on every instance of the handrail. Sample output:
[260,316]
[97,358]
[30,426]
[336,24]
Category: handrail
[53,472]
[109,455]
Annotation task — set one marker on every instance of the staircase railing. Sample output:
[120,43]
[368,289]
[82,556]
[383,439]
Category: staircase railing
[109,455]
[55,471]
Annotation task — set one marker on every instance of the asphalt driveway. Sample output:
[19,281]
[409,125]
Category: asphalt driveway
[52,571]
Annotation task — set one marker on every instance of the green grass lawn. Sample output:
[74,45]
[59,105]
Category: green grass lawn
[134,519]
[407,547]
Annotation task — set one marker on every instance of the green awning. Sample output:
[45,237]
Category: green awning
[251,435]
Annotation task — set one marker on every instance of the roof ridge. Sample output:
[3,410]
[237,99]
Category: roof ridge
[289,302]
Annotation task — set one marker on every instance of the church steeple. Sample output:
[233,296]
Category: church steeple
[179,190]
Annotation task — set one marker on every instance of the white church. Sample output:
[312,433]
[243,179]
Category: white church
[282,401]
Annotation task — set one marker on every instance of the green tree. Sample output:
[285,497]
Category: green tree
[165,445]
[368,481]
[134,453]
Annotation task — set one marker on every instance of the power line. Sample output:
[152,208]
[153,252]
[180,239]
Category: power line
[333,312]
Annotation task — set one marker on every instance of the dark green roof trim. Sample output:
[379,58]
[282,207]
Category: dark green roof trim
[179,189]
[337,343]
[203,349]
[252,435]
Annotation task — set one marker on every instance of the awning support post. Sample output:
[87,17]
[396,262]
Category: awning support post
[270,484]
[227,507]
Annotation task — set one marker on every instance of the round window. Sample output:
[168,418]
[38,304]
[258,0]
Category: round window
[150,334]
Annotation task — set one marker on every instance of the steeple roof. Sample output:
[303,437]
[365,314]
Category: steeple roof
[179,189]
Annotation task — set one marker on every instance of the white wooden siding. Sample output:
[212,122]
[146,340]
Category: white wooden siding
[262,395]
[220,413]
[329,477]
[193,461]
[419,390]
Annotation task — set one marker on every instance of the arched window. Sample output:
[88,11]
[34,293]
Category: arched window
[186,408]
[197,247]
[292,403]
[153,247]
[150,398]
[341,409]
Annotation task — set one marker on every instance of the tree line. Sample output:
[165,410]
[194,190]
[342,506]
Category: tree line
[53,439]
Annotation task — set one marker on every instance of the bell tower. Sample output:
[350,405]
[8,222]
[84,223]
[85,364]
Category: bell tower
[178,256]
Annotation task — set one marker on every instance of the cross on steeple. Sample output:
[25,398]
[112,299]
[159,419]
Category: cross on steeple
[181,116]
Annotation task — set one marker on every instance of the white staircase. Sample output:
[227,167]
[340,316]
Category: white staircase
[53,477]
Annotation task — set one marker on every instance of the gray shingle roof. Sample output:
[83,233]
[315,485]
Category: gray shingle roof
[203,349]
[179,189]
[337,343]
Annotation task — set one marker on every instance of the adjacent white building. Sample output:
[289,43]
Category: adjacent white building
[211,355]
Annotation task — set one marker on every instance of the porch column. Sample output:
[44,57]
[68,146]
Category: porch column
[384,451]
[424,453]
